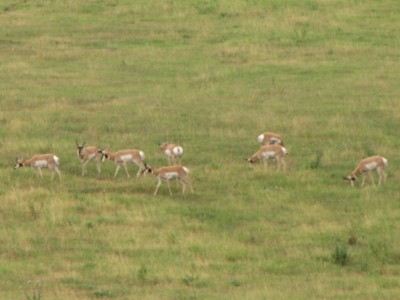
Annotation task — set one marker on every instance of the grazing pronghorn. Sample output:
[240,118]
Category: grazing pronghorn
[86,154]
[123,157]
[165,174]
[39,162]
[367,165]
[270,138]
[173,152]
[274,151]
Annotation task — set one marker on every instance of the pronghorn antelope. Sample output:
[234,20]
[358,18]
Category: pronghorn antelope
[172,151]
[273,151]
[270,138]
[367,165]
[123,157]
[165,174]
[86,154]
[39,162]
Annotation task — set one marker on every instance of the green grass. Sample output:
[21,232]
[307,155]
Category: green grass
[210,75]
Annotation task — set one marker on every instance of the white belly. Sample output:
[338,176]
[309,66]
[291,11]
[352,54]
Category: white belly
[170,175]
[40,164]
[371,166]
[269,154]
[92,156]
[274,141]
[126,158]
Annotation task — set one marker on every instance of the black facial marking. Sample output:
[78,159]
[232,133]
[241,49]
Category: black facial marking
[80,149]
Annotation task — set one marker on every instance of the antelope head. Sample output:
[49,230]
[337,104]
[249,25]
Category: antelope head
[19,163]
[104,154]
[351,179]
[251,160]
[163,146]
[80,147]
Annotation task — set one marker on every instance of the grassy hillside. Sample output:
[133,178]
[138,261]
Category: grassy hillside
[211,76]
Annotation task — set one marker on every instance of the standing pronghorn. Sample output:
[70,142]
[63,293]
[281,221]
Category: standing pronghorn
[270,138]
[123,157]
[39,162]
[274,151]
[165,174]
[87,154]
[367,165]
[172,151]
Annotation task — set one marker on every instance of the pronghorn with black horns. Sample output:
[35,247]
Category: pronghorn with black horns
[39,162]
[366,166]
[172,151]
[168,173]
[274,151]
[124,157]
[86,154]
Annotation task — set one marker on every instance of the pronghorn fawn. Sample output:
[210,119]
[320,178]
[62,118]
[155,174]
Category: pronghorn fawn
[366,166]
[39,162]
[173,152]
[168,173]
[274,151]
[86,154]
[270,138]
[124,157]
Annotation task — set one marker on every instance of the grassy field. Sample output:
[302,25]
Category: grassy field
[211,76]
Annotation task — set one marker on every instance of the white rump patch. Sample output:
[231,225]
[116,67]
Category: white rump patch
[141,154]
[41,163]
[371,166]
[385,161]
[178,151]
[56,160]
[186,170]
[260,138]
[284,150]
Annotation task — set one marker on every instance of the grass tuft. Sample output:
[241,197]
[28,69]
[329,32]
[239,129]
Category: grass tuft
[340,256]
